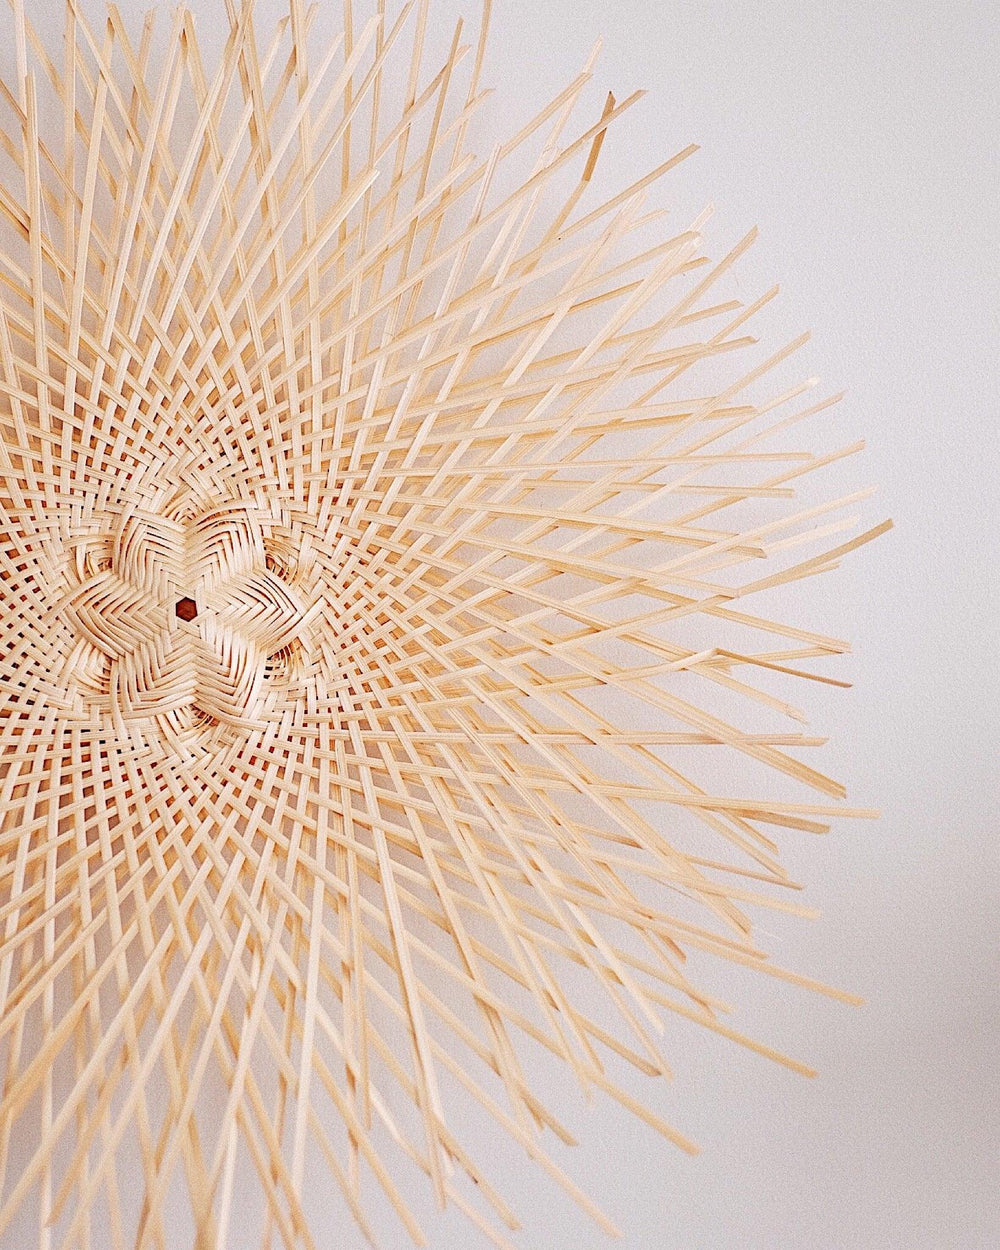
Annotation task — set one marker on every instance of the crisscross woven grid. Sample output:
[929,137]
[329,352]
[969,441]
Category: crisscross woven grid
[357,503]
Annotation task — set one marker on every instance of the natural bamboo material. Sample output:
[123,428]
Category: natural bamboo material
[348,706]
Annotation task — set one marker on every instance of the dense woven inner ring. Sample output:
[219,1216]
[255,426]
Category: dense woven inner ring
[147,658]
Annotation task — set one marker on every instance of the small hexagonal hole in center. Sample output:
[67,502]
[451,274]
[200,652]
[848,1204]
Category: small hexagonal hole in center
[186,609]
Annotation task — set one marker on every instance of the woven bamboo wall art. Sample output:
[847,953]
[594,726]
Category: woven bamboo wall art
[383,532]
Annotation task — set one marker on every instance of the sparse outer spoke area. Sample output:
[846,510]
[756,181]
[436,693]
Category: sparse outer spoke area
[362,692]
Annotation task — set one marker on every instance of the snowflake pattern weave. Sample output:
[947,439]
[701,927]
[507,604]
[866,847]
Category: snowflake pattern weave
[379,546]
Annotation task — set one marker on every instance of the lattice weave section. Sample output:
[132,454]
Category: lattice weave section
[383,698]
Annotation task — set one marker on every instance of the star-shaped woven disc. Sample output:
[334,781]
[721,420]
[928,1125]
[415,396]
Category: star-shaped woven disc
[396,700]
[147,650]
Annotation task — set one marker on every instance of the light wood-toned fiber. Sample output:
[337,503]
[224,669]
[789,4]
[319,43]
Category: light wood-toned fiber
[392,669]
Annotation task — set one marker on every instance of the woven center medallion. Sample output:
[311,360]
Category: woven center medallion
[188,618]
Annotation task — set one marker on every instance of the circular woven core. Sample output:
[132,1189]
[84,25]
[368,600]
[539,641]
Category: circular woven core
[184,610]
